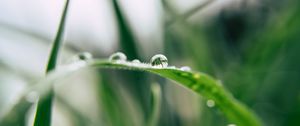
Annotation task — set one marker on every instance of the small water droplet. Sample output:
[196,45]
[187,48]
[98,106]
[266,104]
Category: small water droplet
[185,68]
[210,103]
[85,56]
[159,60]
[231,125]
[32,96]
[118,56]
[136,61]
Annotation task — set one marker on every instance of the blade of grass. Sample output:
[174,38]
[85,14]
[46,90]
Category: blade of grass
[111,102]
[200,83]
[156,104]
[44,108]
[127,41]
[135,82]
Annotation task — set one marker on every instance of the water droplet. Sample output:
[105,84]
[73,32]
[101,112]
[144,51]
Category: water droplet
[118,56]
[159,60]
[32,96]
[231,125]
[210,103]
[185,68]
[136,61]
[85,56]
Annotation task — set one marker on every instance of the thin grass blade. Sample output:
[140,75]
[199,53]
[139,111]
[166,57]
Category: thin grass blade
[44,108]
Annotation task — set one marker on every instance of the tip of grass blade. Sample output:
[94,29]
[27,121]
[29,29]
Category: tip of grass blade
[44,107]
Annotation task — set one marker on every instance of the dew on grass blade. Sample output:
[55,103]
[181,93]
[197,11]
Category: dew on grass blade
[136,61]
[210,103]
[118,56]
[159,60]
[185,68]
[231,125]
[85,56]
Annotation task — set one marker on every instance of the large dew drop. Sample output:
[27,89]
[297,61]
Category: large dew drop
[136,61]
[159,60]
[118,56]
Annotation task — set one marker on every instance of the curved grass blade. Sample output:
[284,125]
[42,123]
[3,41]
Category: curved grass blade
[156,104]
[43,113]
[202,84]
[197,82]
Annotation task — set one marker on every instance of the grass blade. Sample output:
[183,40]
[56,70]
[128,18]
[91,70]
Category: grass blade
[43,113]
[156,104]
[58,40]
[199,83]
[129,46]
[127,41]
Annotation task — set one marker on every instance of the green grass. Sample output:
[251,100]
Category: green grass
[263,75]
[44,107]
[200,83]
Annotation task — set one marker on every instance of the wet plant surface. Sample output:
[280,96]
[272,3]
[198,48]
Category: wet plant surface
[236,66]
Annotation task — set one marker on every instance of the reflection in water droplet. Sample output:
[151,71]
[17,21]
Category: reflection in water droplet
[136,61]
[159,60]
[85,56]
[118,56]
[210,103]
[185,68]
[32,97]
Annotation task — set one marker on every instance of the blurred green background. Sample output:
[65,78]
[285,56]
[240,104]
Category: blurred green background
[252,46]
